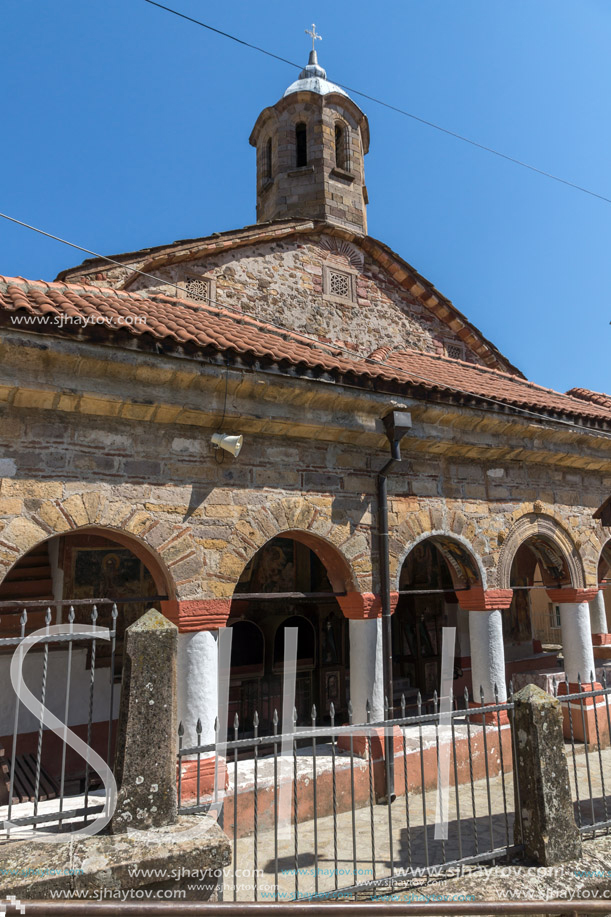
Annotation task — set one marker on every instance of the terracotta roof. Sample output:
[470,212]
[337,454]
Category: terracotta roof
[595,397]
[97,313]
[151,260]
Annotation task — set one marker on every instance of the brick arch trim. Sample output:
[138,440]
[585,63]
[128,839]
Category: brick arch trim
[305,522]
[451,536]
[168,551]
[546,525]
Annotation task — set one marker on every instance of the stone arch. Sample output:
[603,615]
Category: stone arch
[306,522]
[168,550]
[547,527]
[604,561]
[465,566]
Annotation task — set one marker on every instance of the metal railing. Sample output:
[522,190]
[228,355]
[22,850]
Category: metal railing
[38,786]
[307,811]
[588,715]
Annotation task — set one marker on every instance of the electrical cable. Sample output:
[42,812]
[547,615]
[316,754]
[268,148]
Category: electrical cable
[395,108]
[335,348]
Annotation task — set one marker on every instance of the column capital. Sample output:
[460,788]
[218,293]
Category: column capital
[478,599]
[364,605]
[197,614]
[572,596]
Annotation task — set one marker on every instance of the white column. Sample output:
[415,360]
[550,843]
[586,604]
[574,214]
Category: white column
[577,641]
[487,655]
[598,614]
[198,684]
[366,669]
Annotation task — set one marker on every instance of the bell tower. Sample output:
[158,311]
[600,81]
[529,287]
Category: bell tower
[310,153]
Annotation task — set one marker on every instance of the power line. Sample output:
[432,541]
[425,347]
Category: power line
[395,108]
[411,376]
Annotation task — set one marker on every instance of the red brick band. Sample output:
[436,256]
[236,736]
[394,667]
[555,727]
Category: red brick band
[572,596]
[197,614]
[478,599]
[361,606]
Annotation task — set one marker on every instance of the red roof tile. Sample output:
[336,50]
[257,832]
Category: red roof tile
[594,397]
[165,318]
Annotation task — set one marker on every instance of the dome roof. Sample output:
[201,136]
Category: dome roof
[313,78]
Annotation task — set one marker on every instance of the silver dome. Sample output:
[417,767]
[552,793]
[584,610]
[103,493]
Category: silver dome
[313,78]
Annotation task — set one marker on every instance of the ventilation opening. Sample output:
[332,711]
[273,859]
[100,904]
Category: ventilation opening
[198,289]
[301,144]
[455,351]
[339,284]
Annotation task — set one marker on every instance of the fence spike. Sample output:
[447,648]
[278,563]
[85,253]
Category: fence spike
[294,716]
[350,712]
[578,682]
[604,678]
[48,617]
[591,677]
[466,696]
[216,724]
[24,617]
[496,693]
[368,710]
[255,719]
[481,695]
[115,612]
[198,727]
[275,717]
[181,730]
[511,686]
[313,714]
[236,722]
[94,614]
[332,712]
[419,701]
[71,615]
[403,705]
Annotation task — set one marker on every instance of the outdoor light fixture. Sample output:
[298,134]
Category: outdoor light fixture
[231,444]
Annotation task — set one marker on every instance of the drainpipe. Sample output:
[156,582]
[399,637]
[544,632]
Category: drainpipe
[396,424]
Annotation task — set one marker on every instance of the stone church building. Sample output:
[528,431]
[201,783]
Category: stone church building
[314,342]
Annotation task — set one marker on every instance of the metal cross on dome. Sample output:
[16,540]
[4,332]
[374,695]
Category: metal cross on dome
[314,35]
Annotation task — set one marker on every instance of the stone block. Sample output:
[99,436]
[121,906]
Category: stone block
[145,762]
[547,826]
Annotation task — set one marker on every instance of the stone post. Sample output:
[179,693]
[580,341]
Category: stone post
[366,669]
[145,761]
[598,620]
[548,830]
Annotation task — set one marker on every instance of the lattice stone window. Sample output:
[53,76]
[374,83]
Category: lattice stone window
[198,288]
[339,284]
[455,351]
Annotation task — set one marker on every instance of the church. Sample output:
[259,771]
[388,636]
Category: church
[286,425]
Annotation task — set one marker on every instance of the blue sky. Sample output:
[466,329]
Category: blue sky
[124,126]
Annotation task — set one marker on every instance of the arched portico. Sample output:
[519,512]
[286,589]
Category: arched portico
[438,572]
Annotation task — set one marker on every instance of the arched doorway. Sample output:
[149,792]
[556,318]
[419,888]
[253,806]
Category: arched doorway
[531,625]
[288,584]
[61,579]
[431,573]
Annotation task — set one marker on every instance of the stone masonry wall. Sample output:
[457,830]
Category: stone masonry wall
[283,282]
[204,520]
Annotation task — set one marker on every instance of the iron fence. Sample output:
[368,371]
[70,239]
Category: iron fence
[311,812]
[38,783]
[587,714]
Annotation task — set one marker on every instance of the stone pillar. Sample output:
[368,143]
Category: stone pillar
[547,826]
[486,639]
[198,700]
[487,655]
[145,763]
[577,642]
[579,664]
[198,622]
[366,669]
[598,620]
